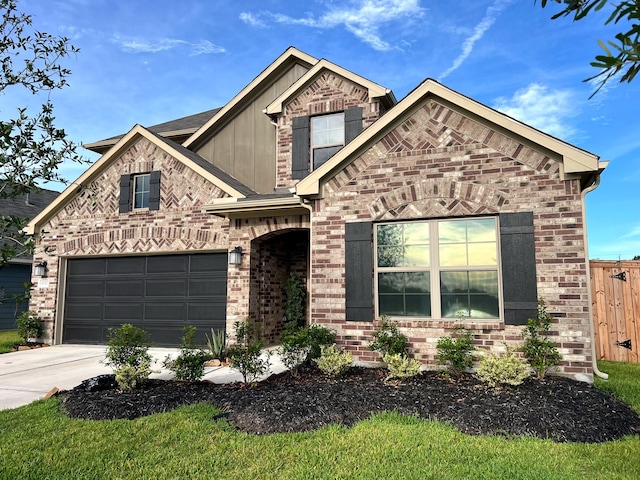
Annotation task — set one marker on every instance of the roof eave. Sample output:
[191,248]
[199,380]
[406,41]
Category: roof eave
[232,208]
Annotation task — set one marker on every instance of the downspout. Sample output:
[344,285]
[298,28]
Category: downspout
[594,363]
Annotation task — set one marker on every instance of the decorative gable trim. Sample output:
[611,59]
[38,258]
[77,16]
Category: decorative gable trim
[374,90]
[572,159]
[135,134]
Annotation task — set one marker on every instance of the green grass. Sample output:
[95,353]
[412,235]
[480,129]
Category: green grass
[37,441]
[8,338]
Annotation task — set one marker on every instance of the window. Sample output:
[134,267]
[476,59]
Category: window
[438,268]
[327,137]
[141,191]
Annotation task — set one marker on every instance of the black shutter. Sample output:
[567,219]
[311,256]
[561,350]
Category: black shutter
[125,193]
[352,123]
[518,267]
[154,191]
[359,271]
[300,148]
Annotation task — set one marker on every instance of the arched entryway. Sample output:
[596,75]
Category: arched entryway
[274,257]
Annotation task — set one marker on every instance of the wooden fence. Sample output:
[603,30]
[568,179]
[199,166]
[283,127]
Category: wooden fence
[615,289]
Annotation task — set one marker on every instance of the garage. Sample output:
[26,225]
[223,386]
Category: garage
[160,293]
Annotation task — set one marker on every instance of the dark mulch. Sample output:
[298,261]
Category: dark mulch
[557,408]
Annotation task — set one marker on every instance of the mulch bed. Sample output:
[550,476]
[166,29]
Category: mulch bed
[556,408]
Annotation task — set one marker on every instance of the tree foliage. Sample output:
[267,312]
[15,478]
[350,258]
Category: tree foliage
[32,147]
[621,55]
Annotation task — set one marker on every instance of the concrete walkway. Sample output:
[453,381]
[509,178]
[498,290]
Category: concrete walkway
[29,375]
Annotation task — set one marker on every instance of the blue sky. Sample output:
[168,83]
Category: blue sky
[149,61]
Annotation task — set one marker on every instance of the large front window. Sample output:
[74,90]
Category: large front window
[327,137]
[438,268]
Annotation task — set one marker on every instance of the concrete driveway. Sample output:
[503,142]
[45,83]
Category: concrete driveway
[29,375]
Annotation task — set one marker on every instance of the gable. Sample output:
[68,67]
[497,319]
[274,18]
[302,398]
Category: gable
[94,192]
[440,104]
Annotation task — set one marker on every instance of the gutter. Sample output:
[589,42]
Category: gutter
[594,363]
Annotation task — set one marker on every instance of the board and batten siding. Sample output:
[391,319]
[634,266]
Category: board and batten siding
[616,309]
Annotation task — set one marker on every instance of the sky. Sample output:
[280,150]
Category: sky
[150,61]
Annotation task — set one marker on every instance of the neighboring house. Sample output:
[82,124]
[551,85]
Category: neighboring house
[17,273]
[425,210]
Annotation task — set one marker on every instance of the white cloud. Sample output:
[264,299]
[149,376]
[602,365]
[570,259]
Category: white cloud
[363,18]
[542,108]
[492,14]
[138,45]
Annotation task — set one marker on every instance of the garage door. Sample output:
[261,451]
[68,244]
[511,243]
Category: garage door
[161,294]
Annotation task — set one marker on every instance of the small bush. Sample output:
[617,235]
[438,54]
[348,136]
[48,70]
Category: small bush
[29,326]
[294,346]
[400,366]
[128,353]
[188,366]
[317,337]
[216,343]
[387,339]
[296,296]
[506,369]
[454,352]
[541,352]
[129,377]
[332,361]
[245,355]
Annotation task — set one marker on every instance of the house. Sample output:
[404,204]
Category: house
[16,274]
[435,210]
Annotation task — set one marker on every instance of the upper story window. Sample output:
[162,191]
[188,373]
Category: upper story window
[141,190]
[327,137]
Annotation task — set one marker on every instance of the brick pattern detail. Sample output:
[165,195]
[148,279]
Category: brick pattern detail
[440,163]
[328,93]
[89,224]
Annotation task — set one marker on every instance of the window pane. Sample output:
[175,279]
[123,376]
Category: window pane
[418,305]
[416,233]
[474,294]
[452,232]
[453,255]
[391,305]
[389,234]
[390,256]
[416,282]
[321,155]
[403,245]
[482,254]
[481,230]
[319,137]
[327,130]
[416,256]
[392,282]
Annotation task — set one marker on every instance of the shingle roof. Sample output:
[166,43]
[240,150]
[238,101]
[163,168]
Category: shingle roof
[189,123]
[28,205]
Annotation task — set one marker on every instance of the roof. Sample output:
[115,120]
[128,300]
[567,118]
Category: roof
[217,177]
[574,160]
[180,127]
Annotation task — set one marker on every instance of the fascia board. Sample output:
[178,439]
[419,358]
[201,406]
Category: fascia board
[578,160]
[290,53]
[374,90]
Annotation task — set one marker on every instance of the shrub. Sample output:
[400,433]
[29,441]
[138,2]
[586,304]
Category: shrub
[295,296]
[332,361]
[454,352]
[245,355]
[216,343]
[128,355]
[29,326]
[317,337]
[129,377]
[541,352]
[400,366]
[294,346]
[387,339]
[188,366]
[506,369]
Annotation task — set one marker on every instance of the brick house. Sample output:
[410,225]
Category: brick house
[433,210]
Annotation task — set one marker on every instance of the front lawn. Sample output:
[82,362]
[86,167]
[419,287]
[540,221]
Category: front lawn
[38,441]
[8,339]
